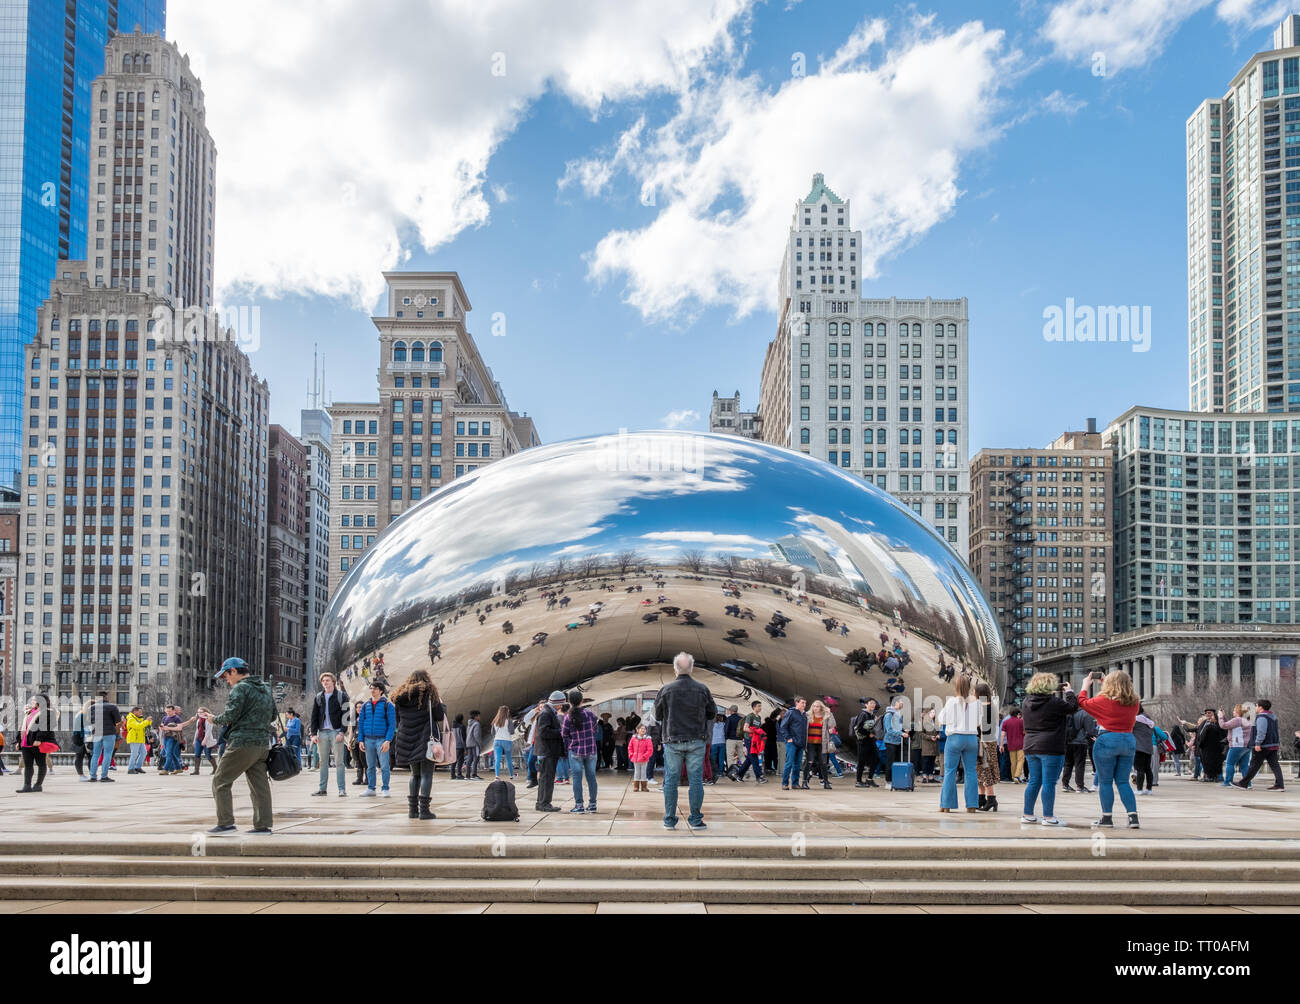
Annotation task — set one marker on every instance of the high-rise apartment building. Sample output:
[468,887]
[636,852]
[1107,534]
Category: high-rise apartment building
[725,416]
[1243,230]
[1206,529]
[876,387]
[316,437]
[354,484]
[441,414]
[145,469]
[286,560]
[50,51]
[1041,544]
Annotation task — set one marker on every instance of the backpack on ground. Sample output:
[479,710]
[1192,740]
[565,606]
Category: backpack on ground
[499,803]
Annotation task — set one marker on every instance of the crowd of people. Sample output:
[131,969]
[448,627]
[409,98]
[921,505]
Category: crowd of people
[1049,740]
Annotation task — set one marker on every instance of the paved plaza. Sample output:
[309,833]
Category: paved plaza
[1225,837]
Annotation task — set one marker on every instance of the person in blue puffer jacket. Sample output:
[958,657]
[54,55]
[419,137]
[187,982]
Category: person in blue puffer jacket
[376,728]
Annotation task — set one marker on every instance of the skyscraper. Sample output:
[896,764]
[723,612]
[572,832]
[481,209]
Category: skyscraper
[1243,230]
[876,387]
[145,470]
[315,438]
[50,51]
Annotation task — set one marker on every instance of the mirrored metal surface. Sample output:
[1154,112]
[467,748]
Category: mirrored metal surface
[591,563]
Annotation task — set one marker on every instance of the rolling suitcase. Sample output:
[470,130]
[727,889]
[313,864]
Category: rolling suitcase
[902,776]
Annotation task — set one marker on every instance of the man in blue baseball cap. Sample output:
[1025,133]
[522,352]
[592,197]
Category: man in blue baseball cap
[250,710]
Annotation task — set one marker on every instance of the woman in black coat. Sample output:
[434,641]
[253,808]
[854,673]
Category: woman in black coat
[1210,742]
[1046,714]
[419,717]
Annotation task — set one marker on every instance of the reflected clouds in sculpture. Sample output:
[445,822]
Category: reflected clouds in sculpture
[757,560]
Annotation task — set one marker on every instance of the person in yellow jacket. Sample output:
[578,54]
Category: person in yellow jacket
[135,726]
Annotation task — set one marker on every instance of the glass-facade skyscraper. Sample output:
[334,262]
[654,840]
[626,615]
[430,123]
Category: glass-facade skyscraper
[50,52]
[1243,237]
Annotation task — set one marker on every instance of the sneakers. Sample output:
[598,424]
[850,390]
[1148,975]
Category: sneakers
[1029,819]
[222,831]
[342,793]
[1066,787]
[321,792]
[670,826]
[862,784]
[107,780]
[261,833]
[577,808]
[697,826]
[591,807]
[548,808]
[1052,821]
[1133,821]
[1238,784]
[369,793]
[1275,788]
[1104,821]
[1143,791]
[386,793]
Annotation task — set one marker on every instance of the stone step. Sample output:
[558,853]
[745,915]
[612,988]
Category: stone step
[588,890]
[1078,844]
[796,870]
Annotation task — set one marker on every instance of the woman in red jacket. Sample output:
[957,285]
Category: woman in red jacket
[1115,709]
[640,748]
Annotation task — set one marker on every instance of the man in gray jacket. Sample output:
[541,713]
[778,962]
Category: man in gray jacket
[1080,731]
[684,709]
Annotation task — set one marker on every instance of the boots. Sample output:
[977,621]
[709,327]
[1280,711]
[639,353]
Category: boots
[411,811]
[983,801]
[990,803]
[424,809]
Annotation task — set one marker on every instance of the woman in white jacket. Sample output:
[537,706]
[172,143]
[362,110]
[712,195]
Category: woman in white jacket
[960,721]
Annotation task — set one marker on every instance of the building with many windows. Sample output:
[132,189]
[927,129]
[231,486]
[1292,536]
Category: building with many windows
[1206,532]
[10,535]
[145,497]
[441,414]
[355,480]
[317,431]
[49,54]
[725,416]
[1041,544]
[286,561]
[1243,230]
[144,494]
[876,387]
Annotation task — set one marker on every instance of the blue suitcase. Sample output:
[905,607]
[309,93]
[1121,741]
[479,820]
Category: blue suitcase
[902,776]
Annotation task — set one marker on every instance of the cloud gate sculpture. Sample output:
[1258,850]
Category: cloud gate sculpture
[589,564]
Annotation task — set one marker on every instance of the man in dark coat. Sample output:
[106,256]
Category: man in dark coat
[550,747]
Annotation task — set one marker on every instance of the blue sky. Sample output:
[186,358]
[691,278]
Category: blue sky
[982,154]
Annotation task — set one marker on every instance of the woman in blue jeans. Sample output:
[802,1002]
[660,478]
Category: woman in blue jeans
[960,720]
[503,743]
[1116,709]
[581,733]
[1046,715]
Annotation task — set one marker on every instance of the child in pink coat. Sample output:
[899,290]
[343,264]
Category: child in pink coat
[640,748]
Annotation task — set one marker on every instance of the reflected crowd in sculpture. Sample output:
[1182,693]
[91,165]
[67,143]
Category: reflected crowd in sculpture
[589,564]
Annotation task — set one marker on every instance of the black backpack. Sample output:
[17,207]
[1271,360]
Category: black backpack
[499,803]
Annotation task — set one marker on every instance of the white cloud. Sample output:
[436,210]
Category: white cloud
[726,170]
[501,194]
[1131,33]
[677,419]
[345,129]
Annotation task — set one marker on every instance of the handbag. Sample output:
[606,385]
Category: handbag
[442,751]
[282,763]
[48,747]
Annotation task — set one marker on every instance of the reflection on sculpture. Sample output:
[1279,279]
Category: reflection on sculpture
[591,563]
